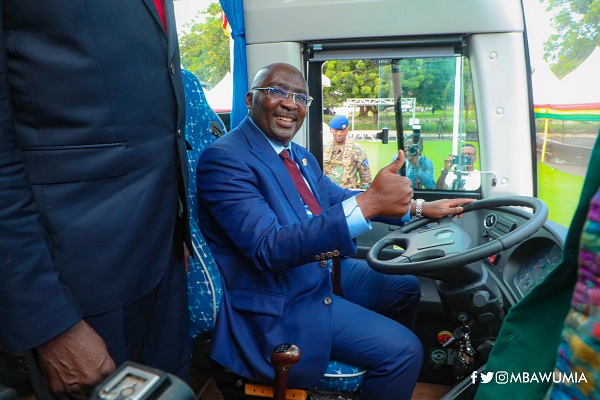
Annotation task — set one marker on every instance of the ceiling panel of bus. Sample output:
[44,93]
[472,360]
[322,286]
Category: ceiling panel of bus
[299,20]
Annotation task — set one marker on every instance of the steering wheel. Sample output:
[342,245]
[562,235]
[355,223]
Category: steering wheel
[442,250]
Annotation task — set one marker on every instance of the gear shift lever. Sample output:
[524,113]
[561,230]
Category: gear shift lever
[283,357]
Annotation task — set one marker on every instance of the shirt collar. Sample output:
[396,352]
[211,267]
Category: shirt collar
[276,146]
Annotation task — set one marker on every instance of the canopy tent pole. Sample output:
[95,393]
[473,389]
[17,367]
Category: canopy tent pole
[543,155]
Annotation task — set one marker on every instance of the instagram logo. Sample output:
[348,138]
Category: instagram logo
[501,377]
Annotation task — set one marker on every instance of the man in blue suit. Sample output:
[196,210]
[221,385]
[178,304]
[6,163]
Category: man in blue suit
[92,206]
[275,252]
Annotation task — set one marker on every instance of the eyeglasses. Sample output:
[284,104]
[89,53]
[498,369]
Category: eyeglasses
[282,94]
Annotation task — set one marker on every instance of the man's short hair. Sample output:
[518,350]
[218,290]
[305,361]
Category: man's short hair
[469,145]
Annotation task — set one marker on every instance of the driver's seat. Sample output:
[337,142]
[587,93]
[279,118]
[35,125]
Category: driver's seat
[205,285]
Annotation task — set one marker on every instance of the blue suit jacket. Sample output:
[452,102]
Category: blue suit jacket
[272,256]
[91,153]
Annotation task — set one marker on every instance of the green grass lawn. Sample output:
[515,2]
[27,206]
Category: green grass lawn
[559,190]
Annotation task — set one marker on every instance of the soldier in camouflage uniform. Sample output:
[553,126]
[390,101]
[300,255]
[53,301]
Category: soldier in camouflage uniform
[344,161]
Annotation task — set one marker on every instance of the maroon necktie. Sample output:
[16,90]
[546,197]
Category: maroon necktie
[307,196]
[315,208]
[160,7]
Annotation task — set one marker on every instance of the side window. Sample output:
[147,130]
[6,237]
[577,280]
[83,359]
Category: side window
[425,106]
[564,67]
[565,137]
[204,44]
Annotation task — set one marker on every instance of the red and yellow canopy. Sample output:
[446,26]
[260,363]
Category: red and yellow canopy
[568,112]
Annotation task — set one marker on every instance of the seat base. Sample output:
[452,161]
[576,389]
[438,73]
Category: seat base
[232,386]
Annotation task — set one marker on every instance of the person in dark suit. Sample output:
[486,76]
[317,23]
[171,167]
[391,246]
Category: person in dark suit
[275,252]
[93,215]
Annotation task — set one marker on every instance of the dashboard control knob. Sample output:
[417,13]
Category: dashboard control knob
[486,318]
[490,220]
[481,298]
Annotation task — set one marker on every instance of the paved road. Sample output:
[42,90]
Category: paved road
[570,154]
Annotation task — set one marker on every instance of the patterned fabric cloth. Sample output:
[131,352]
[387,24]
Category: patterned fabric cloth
[347,165]
[579,351]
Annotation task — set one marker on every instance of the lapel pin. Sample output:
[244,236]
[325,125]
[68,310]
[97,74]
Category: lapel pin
[304,162]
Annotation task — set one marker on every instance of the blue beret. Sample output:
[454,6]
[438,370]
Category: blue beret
[339,122]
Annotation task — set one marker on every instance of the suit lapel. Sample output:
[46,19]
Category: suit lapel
[262,150]
[308,173]
[171,27]
[152,8]
[171,32]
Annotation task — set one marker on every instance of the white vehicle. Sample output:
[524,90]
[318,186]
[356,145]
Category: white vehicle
[474,55]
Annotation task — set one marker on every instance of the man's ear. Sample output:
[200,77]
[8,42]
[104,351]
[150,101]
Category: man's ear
[249,100]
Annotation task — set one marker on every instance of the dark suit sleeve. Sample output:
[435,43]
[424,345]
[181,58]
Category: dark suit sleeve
[254,215]
[34,306]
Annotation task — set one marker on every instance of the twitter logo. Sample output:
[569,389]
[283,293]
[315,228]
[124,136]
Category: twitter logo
[487,377]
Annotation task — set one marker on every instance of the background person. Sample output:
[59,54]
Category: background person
[275,251]
[419,169]
[344,161]
[461,175]
[91,160]
[414,138]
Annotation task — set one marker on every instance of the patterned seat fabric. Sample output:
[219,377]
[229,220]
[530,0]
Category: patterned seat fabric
[205,286]
[580,343]
[341,377]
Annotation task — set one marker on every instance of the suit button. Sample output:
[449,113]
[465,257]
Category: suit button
[323,263]
[327,301]
[172,68]
[336,253]
[317,257]
[329,254]
[323,256]
[178,133]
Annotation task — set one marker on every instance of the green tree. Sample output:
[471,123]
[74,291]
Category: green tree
[426,79]
[577,23]
[205,48]
[355,79]
[429,80]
